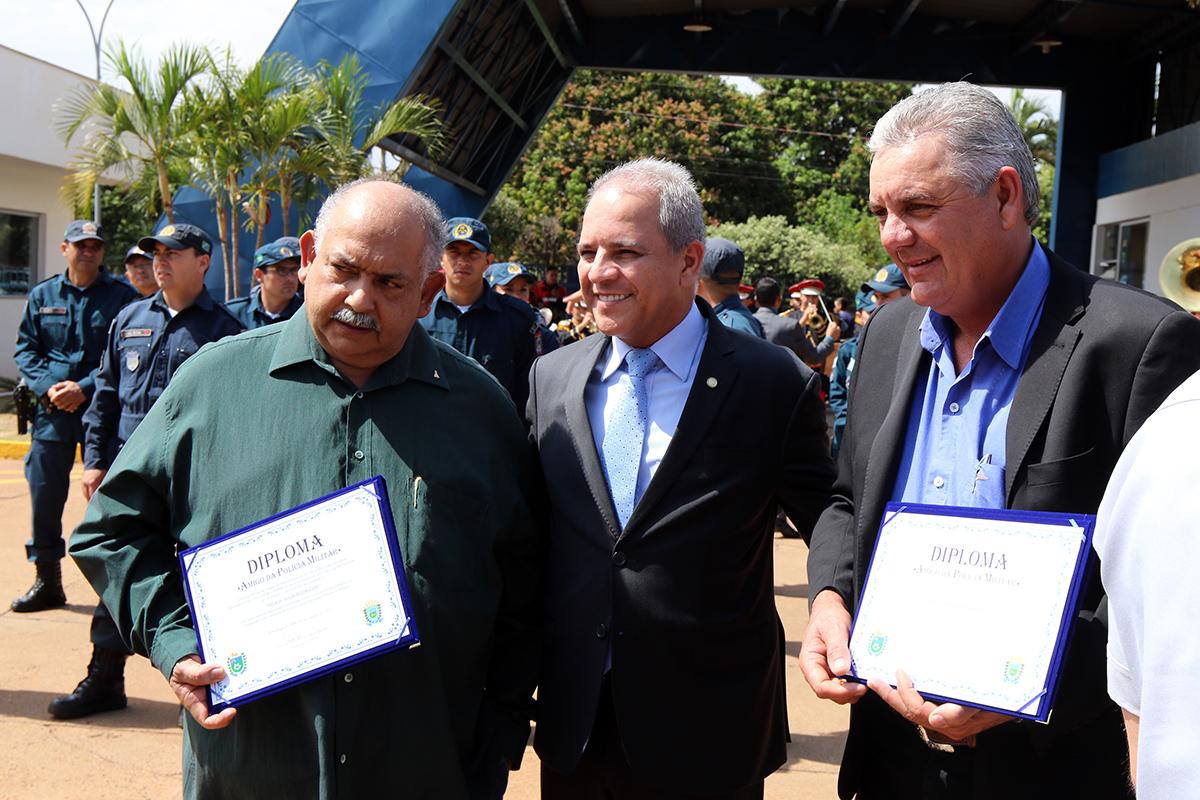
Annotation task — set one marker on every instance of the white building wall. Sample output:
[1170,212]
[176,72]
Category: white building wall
[1173,209]
[33,164]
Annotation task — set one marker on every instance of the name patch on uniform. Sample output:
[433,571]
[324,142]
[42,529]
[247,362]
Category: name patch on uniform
[58,310]
[133,333]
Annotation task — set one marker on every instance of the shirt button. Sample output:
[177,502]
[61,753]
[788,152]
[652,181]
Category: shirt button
[358,454]
[342,758]
[601,631]
[618,558]
[349,677]
[954,408]
[939,482]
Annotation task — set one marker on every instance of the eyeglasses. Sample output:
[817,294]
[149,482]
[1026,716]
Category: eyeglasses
[285,272]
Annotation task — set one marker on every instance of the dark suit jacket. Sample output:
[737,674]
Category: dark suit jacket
[685,593]
[1103,357]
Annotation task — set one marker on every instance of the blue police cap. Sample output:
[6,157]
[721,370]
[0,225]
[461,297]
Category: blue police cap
[865,301]
[724,261]
[178,237]
[505,272]
[81,229]
[279,250]
[470,230]
[134,252]
[887,279]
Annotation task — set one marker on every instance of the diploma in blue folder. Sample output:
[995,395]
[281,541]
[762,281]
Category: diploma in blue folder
[306,592]
[976,605]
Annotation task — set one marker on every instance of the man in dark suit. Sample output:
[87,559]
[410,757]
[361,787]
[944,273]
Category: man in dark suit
[1009,379]
[661,675]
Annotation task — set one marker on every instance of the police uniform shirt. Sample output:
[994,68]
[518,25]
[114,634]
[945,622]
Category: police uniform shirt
[502,333]
[146,345]
[250,312]
[61,338]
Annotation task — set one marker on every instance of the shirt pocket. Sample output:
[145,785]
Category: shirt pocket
[133,355]
[54,329]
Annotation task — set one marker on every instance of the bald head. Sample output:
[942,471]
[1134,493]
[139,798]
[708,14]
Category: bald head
[385,206]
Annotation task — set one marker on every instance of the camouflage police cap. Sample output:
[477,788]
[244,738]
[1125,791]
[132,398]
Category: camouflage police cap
[282,249]
[469,230]
[178,237]
[81,229]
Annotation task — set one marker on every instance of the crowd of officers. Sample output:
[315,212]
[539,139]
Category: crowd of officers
[96,351]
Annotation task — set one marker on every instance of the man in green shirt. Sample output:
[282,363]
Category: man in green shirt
[367,392]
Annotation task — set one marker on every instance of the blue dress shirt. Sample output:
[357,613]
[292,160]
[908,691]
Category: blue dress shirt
[667,390]
[954,447]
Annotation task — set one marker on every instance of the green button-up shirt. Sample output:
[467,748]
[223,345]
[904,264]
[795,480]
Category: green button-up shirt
[262,422]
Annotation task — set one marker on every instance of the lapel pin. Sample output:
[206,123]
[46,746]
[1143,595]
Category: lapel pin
[436,376]
[712,383]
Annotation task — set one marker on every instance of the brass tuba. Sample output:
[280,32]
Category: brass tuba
[1179,275]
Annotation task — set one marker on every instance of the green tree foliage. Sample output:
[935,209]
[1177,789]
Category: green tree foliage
[795,151]
[1040,129]
[604,119]
[775,247]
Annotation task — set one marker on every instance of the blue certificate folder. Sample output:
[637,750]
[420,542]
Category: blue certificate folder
[1061,628]
[391,619]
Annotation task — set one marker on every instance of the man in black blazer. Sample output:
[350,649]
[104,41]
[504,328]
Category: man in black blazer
[1067,367]
[661,672]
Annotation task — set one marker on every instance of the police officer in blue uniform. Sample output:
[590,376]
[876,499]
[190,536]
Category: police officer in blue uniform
[59,344]
[720,277]
[139,271]
[277,296]
[887,285]
[512,279]
[148,341]
[501,333]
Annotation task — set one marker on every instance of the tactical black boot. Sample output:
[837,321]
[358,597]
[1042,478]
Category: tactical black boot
[46,592]
[102,690]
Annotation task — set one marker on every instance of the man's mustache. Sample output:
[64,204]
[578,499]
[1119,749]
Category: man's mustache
[355,319]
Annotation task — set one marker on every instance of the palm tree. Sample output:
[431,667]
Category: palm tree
[1037,125]
[349,130]
[276,110]
[217,147]
[138,133]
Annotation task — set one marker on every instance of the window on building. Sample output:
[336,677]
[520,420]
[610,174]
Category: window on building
[1120,252]
[19,239]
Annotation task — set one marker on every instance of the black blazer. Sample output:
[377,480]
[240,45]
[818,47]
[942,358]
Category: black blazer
[685,593]
[1103,357]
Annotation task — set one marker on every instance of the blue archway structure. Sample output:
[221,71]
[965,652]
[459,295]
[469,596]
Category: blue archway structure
[1128,69]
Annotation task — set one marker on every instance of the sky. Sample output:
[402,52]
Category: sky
[56,31]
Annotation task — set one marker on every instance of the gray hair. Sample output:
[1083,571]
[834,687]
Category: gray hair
[980,132]
[680,213]
[428,215]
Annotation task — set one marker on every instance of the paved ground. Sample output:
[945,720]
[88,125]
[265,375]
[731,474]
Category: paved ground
[135,753]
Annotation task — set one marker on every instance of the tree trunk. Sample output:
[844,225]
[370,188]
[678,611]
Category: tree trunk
[223,233]
[164,189]
[285,201]
[231,188]
[261,222]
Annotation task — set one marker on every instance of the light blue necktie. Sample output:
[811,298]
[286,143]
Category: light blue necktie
[626,431]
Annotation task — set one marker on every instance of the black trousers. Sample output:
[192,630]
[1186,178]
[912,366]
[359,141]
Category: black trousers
[603,772]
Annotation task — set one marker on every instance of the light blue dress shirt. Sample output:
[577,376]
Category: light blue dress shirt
[954,447]
[667,390]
